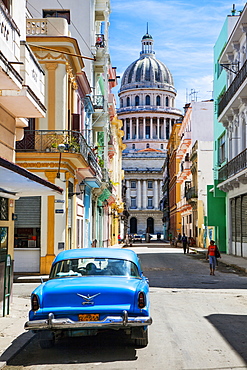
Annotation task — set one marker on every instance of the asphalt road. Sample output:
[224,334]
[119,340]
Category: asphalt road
[199,322]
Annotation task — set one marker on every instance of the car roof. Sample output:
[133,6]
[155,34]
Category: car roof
[125,254]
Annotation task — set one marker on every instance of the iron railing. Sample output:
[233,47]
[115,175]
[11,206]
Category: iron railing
[235,85]
[234,166]
[191,193]
[53,140]
[98,101]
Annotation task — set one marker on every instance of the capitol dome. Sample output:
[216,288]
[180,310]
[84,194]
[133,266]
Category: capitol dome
[147,71]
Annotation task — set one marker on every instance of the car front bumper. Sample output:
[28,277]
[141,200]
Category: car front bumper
[115,322]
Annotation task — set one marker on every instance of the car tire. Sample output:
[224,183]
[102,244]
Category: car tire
[47,343]
[142,342]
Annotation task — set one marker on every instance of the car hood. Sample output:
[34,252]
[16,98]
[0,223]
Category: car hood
[73,291]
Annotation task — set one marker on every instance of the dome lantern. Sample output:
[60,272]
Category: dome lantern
[147,45]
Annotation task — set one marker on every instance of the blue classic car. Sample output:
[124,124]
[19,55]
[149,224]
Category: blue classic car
[89,290]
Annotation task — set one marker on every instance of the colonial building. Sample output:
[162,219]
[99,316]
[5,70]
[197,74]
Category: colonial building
[147,109]
[217,198]
[232,113]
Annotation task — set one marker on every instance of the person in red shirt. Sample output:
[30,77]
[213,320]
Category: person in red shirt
[211,254]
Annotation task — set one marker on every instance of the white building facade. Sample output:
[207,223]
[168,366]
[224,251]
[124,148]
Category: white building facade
[232,113]
[147,99]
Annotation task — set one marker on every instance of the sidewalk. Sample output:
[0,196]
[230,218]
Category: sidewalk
[12,335]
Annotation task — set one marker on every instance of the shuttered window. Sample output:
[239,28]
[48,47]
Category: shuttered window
[238,219]
[28,210]
[244,219]
[233,220]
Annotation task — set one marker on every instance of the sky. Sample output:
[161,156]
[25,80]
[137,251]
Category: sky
[184,34]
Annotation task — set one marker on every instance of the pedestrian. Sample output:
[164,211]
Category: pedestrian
[212,254]
[184,242]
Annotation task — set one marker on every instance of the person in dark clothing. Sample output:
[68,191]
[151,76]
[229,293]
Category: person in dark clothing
[184,242]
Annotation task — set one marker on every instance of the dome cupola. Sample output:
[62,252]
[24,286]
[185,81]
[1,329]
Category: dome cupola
[147,71]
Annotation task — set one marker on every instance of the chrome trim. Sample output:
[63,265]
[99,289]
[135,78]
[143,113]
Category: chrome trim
[109,322]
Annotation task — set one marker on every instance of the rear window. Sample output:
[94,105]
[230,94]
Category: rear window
[94,266]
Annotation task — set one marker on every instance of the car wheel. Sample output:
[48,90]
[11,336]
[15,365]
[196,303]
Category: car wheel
[142,342]
[47,343]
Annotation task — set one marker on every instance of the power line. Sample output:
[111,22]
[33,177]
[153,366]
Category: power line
[78,31]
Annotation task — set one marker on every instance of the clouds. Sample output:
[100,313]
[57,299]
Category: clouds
[184,34]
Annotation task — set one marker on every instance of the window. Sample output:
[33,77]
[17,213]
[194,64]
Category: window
[128,102]
[4,209]
[150,202]
[3,243]
[150,184]
[133,184]
[161,146]
[147,146]
[147,101]
[137,100]
[54,13]
[167,101]
[133,146]
[121,103]
[222,149]
[158,100]
[132,202]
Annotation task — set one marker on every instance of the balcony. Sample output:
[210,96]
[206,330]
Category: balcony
[233,88]
[98,102]
[41,141]
[102,10]
[191,194]
[149,108]
[47,27]
[233,167]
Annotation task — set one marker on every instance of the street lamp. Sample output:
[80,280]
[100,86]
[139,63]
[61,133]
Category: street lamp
[82,186]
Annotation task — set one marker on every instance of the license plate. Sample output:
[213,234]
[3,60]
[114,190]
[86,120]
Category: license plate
[89,317]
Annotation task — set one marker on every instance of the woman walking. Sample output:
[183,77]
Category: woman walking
[212,252]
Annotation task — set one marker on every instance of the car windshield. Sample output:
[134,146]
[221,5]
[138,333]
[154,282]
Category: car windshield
[94,266]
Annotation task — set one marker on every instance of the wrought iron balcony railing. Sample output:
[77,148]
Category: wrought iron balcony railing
[234,166]
[98,101]
[235,85]
[51,140]
[191,193]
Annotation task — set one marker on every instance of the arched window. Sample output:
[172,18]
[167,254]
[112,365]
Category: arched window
[133,146]
[128,102]
[137,101]
[167,101]
[133,225]
[158,100]
[147,102]
[147,146]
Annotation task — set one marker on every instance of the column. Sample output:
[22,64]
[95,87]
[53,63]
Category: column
[139,198]
[158,127]
[137,128]
[144,198]
[151,127]
[156,194]
[51,101]
[131,136]
[125,129]
[128,193]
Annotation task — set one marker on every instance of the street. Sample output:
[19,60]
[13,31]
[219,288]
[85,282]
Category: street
[199,322]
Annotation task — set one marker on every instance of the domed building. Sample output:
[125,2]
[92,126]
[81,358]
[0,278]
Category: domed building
[147,109]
